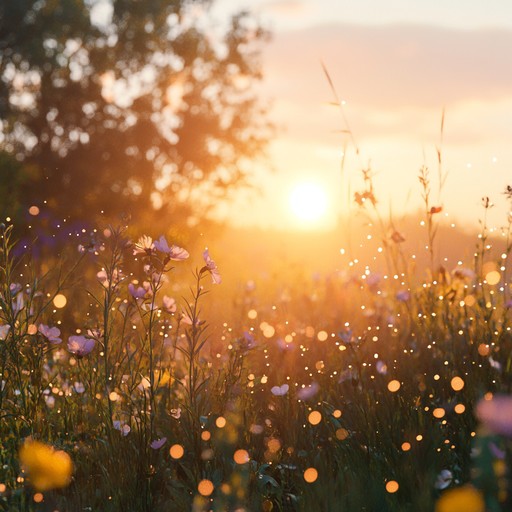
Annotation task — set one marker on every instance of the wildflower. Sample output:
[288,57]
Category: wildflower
[496,414]
[47,468]
[285,346]
[176,413]
[95,334]
[15,288]
[50,401]
[308,392]
[211,267]
[80,345]
[373,280]
[79,387]
[4,330]
[347,336]
[381,367]
[144,245]
[103,277]
[403,295]
[136,292]
[444,479]
[50,333]
[435,209]
[249,341]
[461,499]
[187,319]
[158,443]
[169,304]
[173,252]
[144,384]
[495,364]
[280,390]
[18,303]
[122,427]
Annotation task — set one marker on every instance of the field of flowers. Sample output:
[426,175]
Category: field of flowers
[360,391]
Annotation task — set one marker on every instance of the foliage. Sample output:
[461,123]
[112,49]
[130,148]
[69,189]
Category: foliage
[353,392]
[145,105]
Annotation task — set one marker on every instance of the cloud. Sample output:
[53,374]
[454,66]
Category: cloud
[391,66]
[284,7]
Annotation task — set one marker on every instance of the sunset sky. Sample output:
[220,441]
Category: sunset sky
[396,65]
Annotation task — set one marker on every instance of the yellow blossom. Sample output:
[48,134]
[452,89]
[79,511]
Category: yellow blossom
[46,467]
[461,499]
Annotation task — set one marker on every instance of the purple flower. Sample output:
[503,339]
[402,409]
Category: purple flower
[136,292]
[403,295]
[158,443]
[52,334]
[280,390]
[308,392]
[211,267]
[173,252]
[15,288]
[80,345]
[122,427]
[347,336]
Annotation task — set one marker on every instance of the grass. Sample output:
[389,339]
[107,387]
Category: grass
[348,393]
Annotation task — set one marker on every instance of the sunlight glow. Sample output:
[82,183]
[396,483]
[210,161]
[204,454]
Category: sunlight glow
[308,201]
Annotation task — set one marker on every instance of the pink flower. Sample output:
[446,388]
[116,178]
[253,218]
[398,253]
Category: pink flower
[144,245]
[103,277]
[50,333]
[4,330]
[80,345]
[211,267]
[173,252]
[186,319]
[95,334]
[496,414]
[308,392]
[169,304]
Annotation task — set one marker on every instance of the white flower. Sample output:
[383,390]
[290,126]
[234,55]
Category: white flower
[144,245]
[444,479]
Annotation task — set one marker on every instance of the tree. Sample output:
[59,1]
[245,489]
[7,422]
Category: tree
[122,104]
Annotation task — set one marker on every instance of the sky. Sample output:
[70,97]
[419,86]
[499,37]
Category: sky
[396,65]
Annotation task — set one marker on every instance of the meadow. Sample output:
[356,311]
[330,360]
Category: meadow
[130,381]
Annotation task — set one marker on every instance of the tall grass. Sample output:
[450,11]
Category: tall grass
[356,391]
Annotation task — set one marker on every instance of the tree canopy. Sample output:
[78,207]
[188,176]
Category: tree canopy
[122,105]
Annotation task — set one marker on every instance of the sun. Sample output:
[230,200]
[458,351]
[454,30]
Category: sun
[308,201]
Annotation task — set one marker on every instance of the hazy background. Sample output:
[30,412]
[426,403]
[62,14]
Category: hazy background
[396,67]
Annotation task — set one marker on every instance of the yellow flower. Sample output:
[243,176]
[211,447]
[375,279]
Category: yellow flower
[461,499]
[47,468]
